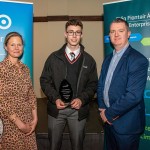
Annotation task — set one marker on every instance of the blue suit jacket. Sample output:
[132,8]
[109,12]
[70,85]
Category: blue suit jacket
[125,92]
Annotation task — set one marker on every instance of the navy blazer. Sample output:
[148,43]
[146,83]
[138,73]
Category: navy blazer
[125,92]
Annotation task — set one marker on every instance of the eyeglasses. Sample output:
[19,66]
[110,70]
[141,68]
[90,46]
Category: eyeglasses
[77,33]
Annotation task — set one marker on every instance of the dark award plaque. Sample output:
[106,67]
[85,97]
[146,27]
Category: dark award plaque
[65,91]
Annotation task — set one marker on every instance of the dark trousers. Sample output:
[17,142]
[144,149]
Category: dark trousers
[116,141]
[57,125]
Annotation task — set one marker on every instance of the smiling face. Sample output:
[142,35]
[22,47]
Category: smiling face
[119,35]
[14,47]
[73,36]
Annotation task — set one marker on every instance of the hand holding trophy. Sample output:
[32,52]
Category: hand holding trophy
[65,91]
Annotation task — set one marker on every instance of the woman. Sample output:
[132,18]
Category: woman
[18,109]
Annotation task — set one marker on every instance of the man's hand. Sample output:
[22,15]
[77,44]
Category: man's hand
[60,104]
[102,114]
[76,103]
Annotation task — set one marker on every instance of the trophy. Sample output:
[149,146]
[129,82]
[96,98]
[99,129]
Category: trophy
[65,91]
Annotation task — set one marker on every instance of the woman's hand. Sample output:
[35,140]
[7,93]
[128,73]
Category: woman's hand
[24,127]
[32,126]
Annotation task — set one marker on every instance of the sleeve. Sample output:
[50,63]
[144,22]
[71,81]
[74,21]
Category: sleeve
[134,90]
[100,87]
[31,94]
[6,106]
[47,83]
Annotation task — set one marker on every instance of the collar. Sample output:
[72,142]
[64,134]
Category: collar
[10,64]
[121,52]
[68,51]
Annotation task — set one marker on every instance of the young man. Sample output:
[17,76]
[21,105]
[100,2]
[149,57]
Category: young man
[120,91]
[69,80]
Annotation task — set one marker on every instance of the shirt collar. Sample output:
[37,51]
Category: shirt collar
[121,52]
[68,51]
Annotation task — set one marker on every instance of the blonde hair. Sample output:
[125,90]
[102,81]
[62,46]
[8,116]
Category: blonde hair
[12,34]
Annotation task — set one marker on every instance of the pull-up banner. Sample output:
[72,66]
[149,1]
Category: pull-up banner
[137,14]
[17,16]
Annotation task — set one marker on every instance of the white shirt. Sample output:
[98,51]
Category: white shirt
[68,51]
[113,64]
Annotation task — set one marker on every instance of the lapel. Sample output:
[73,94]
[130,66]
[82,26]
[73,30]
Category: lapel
[106,66]
[108,63]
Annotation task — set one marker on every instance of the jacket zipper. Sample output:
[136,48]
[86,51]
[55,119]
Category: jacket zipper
[80,76]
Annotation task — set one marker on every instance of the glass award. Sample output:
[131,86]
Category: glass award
[65,91]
